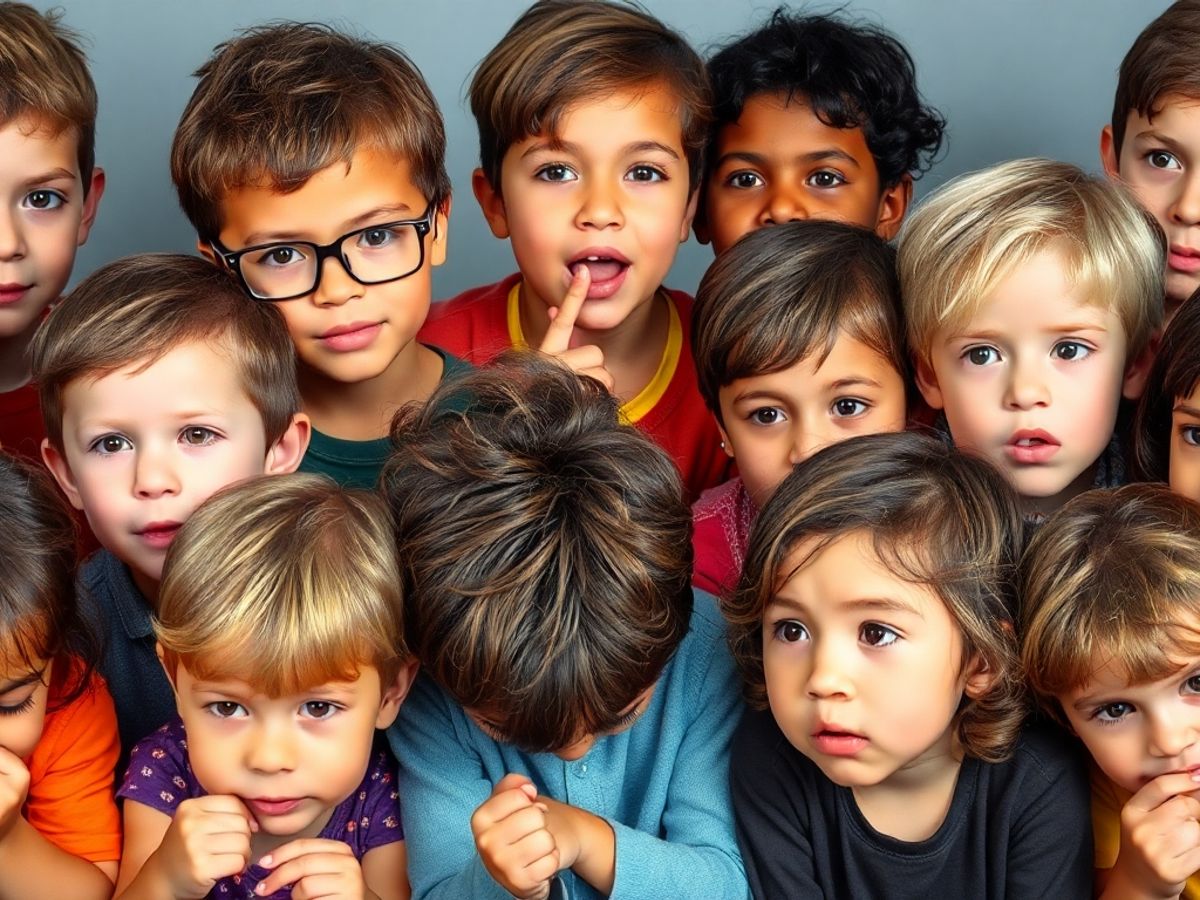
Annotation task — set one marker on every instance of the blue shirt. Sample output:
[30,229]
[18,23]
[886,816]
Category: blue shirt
[661,784]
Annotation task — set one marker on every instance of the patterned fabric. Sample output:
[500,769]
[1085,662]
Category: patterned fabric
[721,521]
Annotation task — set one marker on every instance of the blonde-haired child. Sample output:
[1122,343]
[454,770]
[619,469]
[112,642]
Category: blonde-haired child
[280,627]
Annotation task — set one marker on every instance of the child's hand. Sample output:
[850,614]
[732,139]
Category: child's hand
[314,867]
[585,360]
[208,839]
[513,842]
[1160,836]
[14,787]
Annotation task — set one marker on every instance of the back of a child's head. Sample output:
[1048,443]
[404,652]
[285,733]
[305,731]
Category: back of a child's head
[976,230]
[782,294]
[1173,377]
[935,517]
[44,78]
[563,52]
[137,309]
[851,75]
[286,583]
[39,617]
[279,103]
[1110,579]
[549,544]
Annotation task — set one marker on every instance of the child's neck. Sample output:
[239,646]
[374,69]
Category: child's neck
[14,359]
[1040,507]
[913,803]
[262,843]
[362,411]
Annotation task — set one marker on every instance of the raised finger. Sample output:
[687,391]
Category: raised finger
[1157,791]
[562,323]
[308,867]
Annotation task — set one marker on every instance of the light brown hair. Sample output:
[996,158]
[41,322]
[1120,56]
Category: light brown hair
[285,582]
[1112,575]
[44,77]
[279,103]
[549,544]
[139,308]
[936,517]
[563,52]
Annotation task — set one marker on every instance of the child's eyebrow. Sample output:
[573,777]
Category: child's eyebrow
[813,156]
[884,603]
[8,686]
[59,174]
[853,381]
[375,214]
[1186,409]
[1157,137]
[554,145]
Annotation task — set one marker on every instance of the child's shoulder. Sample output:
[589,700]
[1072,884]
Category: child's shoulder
[473,325]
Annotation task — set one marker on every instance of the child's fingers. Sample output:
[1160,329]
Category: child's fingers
[562,320]
[498,808]
[1159,790]
[311,869]
[318,887]
[510,830]
[515,780]
[304,847]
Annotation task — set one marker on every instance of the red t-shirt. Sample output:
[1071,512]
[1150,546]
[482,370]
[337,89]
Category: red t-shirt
[721,521]
[21,425]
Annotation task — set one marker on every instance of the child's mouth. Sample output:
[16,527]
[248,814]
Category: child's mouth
[601,268]
[607,267]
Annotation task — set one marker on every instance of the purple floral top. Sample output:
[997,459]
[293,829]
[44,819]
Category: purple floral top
[159,776]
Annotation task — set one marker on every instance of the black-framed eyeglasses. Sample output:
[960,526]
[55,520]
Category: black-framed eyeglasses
[286,270]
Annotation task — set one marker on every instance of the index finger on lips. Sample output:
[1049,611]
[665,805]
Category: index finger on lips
[562,325]
[1158,790]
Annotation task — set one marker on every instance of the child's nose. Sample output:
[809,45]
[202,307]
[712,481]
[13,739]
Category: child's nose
[12,243]
[1171,735]
[273,750]
[1027,387]
[1186,209]
[154,476]
[335,286]
[600,206]
[829,678]
[783,205]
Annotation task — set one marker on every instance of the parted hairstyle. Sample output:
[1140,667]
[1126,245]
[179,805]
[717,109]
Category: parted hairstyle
[977,229]
[851,75]
[39,615]
[936,517]
[1161,62]
[782,294]
[137,309]
[279,103]
[1111,576]
[44,76]
[285,582]
[1174,374]
[548,543]
[563,52]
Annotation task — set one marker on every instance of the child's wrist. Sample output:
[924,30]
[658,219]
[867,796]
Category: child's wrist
[1136,881]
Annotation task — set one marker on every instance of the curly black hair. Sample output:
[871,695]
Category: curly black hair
[851,75]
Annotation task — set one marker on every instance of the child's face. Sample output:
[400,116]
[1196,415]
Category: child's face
[779,163]
[24,690]
[1160,161]
[44,218]
[1032,382]
[143,447]
[1184,468]
[609,191]
[1137,732]
[772,422]
[290,759]
[864,670]
[343,331]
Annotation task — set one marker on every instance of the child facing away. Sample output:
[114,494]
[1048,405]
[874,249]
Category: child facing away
[1152,141]
[1166,443]
[50,190]
[815,117]
[281,628]
[873,627]
[799,344]
[1111,648]
[160,383]
[572,723]
[312,165]
[592,121]
[60,835]
[1031,292]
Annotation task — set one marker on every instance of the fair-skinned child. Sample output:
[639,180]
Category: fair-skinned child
[160,384]
[312,166]
[50,191]
[60,835]
[281,628]
[816,118]
[873,627]
[573,718]
[1111,646]
[1153,140]
[799,343]
[1031,294]
[592,121]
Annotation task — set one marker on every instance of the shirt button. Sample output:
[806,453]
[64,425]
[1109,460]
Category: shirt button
[581,770]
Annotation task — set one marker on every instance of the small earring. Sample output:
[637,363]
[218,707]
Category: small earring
[722,445]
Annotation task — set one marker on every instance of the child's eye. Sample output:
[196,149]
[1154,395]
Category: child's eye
[227,709]
[981,356]
[377,237]
[646,173]
[18,708]
[1111,713]
[197,436]
[744,180]
[1192,685]
[1161,159]
[846,407]
[825,179]
[1190,435]
[766,415]
[318,709]
[280,256]
[790,631]
[44,199]
[555,172]
[875,635]
[1071,351]
[110,443]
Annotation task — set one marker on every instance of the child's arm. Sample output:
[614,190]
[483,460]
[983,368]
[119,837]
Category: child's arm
[1160,841]
[513,840]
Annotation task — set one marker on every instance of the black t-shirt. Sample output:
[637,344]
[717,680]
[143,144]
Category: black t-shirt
[1016,829]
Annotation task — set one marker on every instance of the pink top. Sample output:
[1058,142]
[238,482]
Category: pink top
[722,518]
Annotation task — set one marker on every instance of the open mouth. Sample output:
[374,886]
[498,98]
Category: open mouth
[607,268]
[601,268]
[160,534]
[1032,446]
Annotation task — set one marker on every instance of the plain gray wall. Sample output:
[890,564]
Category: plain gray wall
[1013,78]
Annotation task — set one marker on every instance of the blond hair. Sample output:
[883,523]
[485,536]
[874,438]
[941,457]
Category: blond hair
[976,230]
[1112,575]
[284,582]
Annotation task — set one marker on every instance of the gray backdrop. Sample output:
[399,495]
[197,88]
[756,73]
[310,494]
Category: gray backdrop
[1013,78]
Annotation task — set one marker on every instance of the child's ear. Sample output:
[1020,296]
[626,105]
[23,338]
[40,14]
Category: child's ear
[893,204]
[491,203]
[91,205]
[208,253]
[685,230]
[1137,370]
[158,651]
[394,694]
[441,233]
[726,443]
[979,678]
[1109,157]
[56,462]
[927,384]
[285,454]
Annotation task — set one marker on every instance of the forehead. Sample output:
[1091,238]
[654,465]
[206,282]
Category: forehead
[849,360]
[1175,116]
[32,146]
[781,127]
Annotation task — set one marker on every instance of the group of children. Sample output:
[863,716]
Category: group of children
[758,605]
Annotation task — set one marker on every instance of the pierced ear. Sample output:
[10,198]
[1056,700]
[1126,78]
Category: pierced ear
[285,454]
[394,694]
[491,203]
[927,384]
[1137,370]
[979,678]
[441,233]
[91,205]
[726,443]
[56,462]
[1109,156]
[685,230]
[893,204]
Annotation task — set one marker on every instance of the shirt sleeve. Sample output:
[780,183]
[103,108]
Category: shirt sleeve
[381,807]
[158,775]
